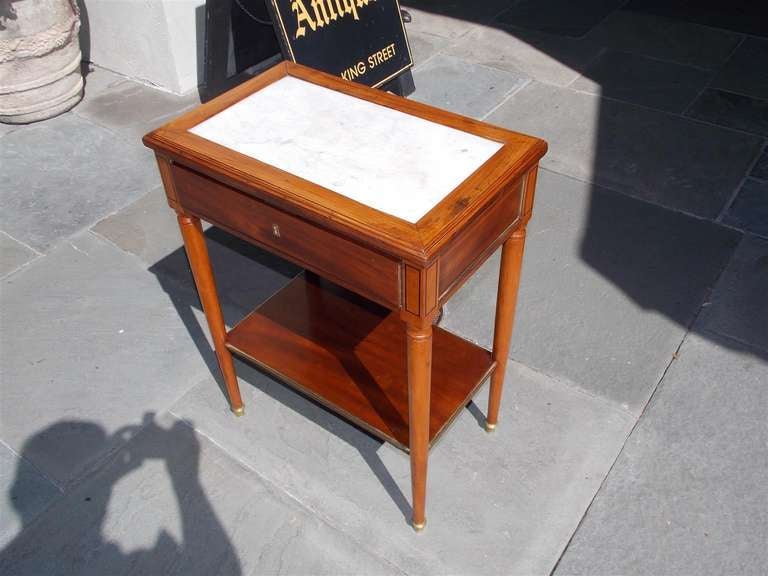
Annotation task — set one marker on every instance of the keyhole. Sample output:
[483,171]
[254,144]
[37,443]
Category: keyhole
[276,230]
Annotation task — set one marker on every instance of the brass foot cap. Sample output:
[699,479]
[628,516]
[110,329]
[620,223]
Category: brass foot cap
[239,411]
[490,427]
[419,527]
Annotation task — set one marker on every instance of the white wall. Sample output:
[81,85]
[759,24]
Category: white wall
[154,41]
[181,16]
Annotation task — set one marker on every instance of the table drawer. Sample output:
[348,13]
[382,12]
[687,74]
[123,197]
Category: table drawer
[357,267]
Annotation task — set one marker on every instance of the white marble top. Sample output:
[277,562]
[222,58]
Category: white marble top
[394,162]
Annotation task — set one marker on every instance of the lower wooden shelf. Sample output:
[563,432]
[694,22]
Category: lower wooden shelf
[350,354]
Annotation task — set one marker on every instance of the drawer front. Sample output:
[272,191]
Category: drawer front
[365,271]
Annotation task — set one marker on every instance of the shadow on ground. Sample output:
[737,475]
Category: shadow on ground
[82,539]
[172,273]
[659,240]
[649,233]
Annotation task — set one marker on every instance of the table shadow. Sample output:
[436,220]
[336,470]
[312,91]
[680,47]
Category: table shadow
[174,276]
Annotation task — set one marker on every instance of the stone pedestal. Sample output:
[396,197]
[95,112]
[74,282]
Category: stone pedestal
[40,74]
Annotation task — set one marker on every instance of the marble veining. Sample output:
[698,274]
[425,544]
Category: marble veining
[394,162]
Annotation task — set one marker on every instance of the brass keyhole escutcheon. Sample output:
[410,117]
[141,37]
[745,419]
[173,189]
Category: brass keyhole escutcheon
[276,230]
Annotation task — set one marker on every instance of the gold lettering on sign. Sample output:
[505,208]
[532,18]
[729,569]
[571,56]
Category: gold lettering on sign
[321,16]
[302,16]
[339,6]
[331,11]
[350,8]
[323,13]
[379,57]
[354,71]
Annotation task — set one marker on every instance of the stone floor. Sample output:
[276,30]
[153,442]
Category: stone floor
[633,439]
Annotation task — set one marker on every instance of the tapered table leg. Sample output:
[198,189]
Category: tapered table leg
[506,301]
[197,252]
[419,338]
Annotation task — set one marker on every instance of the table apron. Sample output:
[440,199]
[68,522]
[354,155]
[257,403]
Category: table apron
[466,252]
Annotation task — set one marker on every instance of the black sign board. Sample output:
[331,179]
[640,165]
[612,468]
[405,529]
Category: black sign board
[360,40]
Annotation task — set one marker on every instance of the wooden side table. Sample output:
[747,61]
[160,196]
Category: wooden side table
[390,205]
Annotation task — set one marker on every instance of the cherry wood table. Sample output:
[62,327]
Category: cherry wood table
[390,205]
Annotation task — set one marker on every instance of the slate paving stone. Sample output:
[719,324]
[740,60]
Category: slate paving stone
[65,174]
[731,110]
[593,268]
[89,334]
[469,10]
[171,502]
[740,15]
[652,155]
[424,46]
[467,89]
[134,109]
[666,39]
[747,70]
[550,59]
[687,494]
[512,497]
[98,81]
[750,209]
[147,228]
[428,22]
[6,129]
[13,254]
[555,442]
[738,307]
[760,169]
[641,80]
[24,494]
[245,275]
[558,16]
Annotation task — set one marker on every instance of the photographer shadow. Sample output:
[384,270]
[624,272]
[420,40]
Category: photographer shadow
[82,524]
